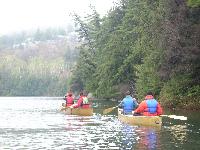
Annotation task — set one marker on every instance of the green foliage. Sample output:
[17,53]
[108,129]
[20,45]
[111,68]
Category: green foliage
[194,91]
[144,45]
[176,89]
[148,77]
[86,66]
[194,3]
[34,78]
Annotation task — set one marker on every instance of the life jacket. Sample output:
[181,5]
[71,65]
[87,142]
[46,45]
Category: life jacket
[128,104]
[151,106]
[85,102]
[69,101]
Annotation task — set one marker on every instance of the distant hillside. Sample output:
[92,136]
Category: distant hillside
[37,63]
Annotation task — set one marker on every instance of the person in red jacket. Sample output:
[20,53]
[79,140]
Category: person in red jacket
[149,107]
[69,99]
[82,102]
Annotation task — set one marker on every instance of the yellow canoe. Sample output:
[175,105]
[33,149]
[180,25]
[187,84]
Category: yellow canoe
[154,121]
[78,111]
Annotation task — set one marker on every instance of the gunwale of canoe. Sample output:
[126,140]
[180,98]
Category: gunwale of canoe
[153,121]
[79,111]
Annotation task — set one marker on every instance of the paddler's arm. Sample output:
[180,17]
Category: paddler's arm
[135,103]
[64,98]
[78,104]
[120,105]
[159,109]
[141,107]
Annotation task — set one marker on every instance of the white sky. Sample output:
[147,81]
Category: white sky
[18,15]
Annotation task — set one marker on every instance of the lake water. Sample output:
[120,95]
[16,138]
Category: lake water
[35,123]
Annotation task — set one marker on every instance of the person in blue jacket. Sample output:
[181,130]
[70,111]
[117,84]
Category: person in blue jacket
[128,104]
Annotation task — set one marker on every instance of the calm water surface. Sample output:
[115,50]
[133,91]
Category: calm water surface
[33,123]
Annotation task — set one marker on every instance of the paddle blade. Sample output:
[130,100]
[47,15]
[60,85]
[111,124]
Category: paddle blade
[175,117]
[182,118]
[108,110]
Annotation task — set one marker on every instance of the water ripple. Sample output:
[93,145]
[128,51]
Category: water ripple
[38,124]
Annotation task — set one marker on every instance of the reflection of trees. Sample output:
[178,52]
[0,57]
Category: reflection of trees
[179,133]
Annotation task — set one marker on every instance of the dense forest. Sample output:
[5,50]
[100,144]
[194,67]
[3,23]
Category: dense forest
[141,45]
[37,63]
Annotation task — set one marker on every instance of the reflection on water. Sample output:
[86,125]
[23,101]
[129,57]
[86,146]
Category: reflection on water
[149,138]
[179,132]
[128,136]
[34,123]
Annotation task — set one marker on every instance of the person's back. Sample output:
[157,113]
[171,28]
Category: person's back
[128,104]
[69,99]
[85,102]
[82,102]
[149,107]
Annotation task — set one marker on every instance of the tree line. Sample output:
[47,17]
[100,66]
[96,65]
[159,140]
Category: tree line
[38,63]
[141,45]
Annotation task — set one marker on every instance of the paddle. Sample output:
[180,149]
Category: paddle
[64,107]
[175,117]
[108,110]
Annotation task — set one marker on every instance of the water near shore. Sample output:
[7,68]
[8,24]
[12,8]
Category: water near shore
[34,123]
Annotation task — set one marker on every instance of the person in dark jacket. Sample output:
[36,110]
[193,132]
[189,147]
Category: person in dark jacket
[128,104]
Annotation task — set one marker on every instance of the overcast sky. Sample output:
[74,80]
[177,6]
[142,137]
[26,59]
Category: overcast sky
[18,15]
